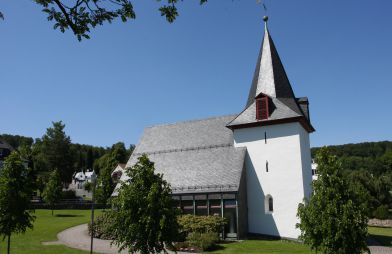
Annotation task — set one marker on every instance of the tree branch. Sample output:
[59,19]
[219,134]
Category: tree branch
[70,23]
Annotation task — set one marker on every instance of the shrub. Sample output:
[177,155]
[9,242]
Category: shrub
[201,224]
[202,241]
[201,232]
[68,194]
[88,186]
[102,225]
[381,212]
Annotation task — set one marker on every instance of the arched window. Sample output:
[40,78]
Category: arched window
[269,204]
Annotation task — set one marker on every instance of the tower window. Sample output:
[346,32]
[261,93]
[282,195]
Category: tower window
[266,166]
[269,204]
[262,108]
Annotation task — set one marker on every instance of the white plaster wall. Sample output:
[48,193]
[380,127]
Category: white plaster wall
[284,181]
[306,162]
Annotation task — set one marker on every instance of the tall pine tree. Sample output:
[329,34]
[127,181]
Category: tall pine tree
[56,149]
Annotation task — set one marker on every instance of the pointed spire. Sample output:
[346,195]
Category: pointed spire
[270,77]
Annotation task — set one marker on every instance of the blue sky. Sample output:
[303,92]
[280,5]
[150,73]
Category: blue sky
[145,72]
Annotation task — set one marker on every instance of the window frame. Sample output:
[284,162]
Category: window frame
[262,110]
[269,204]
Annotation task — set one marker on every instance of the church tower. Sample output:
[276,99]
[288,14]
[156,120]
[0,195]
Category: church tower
[274,128]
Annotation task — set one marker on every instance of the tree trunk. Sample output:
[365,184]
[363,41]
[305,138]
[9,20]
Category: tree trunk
[9,244]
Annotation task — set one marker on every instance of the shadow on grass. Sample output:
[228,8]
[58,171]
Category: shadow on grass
[380,240]
[220,246]
[67,215]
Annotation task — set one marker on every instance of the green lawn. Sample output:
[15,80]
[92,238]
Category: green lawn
[263,247]
[45,229]
[381,235]
[47,226]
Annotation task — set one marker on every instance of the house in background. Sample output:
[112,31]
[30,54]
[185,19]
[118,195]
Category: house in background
[5,150]
[253,168]
[79,180]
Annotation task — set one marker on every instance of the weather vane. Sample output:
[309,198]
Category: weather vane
[265,18]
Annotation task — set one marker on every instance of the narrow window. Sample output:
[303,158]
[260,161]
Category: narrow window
[266,166]
[270,204]
[265,137]
[262,108]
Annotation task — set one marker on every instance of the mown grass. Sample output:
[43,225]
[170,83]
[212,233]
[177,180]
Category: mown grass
[381,235]
[45,229]
[262,247]
[47,226]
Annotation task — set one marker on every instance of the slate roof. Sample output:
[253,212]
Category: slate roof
[185,135]
[270,79]
[194,156]
[281,111]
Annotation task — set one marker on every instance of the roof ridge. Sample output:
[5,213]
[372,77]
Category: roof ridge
[186,149]
[190,121]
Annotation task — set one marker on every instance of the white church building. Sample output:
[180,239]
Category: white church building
[253,168]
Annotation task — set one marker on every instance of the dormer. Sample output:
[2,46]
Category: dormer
[271,98]
[262,107]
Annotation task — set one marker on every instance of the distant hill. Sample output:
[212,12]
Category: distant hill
[375,157]
[366,149]
[15,140]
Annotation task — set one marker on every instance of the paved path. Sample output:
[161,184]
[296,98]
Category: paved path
[78,238]
[376,248]
[380,250]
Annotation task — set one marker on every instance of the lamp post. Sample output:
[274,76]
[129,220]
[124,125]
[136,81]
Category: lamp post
[93,182]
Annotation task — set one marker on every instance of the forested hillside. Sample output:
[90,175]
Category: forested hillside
[368,166]
[373,157]
[54,152]
[83,155]
[55,149]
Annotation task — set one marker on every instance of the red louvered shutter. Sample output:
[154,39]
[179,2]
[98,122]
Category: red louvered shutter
[262,108]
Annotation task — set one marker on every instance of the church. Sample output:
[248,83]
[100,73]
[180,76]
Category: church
[252,168]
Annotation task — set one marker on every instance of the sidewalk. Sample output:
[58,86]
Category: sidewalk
[78,238]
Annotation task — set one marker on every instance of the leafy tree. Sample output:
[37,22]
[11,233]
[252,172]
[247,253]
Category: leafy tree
[56,150]
[39,158]
[15,194]
[53,190]
[40,182]
[145,218]
[334,220]
[88,186]
[105,166]
[119,152]
[82,15]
